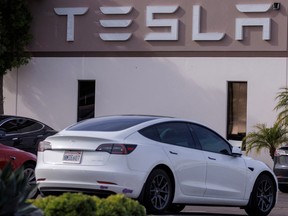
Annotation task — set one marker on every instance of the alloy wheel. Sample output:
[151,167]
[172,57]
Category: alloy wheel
[159,191]
[265,196]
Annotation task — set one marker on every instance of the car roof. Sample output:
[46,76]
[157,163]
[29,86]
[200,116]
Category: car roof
[112,123]
[3,117]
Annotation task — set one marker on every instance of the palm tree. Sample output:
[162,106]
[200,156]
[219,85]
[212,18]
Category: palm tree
[282,105]
[266,137]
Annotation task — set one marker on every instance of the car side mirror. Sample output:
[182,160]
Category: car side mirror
[236,151]
[2,133]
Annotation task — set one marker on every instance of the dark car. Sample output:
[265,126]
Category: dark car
[23,133]
[281,168]
[19,158]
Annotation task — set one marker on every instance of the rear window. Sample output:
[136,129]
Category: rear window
[112,123]
[283,160]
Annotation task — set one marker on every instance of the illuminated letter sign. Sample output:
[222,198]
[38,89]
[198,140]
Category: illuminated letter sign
[115,23]
[264,22]
[151,22]
[70,13]
[196,35]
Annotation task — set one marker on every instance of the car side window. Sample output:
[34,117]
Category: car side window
[175,133]
[27,125]
[210,141]
[10,127]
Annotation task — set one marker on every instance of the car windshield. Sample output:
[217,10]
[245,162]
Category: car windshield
[112,123]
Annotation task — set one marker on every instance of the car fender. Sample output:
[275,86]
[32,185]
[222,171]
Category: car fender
[255,169]
[152,154]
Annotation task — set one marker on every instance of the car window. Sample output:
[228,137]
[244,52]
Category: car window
[27,125]
[283,160]
[10,127]
[109,123]
[176,133]
[210,141]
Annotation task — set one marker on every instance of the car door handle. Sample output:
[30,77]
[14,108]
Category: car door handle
[174,153]
[212,158]
[15,138]
[12,158]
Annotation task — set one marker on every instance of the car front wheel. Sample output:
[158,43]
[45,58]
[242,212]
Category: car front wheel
[176,208]
[263,197]
[283,188]
[158,192]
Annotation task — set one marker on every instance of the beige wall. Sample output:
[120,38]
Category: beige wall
[194,88]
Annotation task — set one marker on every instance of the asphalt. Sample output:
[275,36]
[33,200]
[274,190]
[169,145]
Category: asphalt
[281,209]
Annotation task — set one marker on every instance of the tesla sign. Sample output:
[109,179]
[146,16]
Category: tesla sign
[173,24]
[161,26]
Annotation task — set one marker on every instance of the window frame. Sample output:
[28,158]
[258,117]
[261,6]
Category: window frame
[230,116]
[192,127]
[193,145]
[19,132]
[80,83]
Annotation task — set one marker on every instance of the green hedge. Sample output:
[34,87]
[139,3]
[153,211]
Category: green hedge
[77,204]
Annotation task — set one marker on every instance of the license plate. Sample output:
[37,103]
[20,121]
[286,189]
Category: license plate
[72,156]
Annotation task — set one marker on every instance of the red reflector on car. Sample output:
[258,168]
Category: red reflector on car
[104,182]
[113,148]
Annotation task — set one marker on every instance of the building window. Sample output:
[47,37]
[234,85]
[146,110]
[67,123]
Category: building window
[86,99]
[237,110]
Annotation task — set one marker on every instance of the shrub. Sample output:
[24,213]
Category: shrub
[14,191]
[119,205]
[67,204]
[74,204]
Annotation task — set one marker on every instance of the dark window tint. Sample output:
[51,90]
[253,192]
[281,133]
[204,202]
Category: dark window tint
[3,117]
[210,141]
[26,125]
[237,110]
[151,132]
[175,133]
[10,127]
[21,126]
[86,99]
[109,123]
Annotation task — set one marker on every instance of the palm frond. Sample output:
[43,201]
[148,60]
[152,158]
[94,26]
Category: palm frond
[266,137]
[282,104]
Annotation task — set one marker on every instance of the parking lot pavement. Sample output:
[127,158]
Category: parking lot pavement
[281,209]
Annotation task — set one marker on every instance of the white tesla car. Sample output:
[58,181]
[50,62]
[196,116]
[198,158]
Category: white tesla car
[165,163]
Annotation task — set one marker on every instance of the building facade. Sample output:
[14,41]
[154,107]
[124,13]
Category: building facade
[220,62]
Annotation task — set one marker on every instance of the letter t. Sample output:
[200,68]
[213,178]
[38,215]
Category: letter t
[70,13]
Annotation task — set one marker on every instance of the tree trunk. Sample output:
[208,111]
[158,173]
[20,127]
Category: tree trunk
[1,95]
[272,152]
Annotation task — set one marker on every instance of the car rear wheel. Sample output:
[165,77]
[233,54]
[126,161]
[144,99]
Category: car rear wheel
[283,188]
[263,197]
[158,192]
[29,172]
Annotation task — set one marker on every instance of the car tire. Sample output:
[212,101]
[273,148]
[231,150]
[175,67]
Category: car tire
[29,171]
[158,192]
[283,188]
[176,208]
[263,197]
